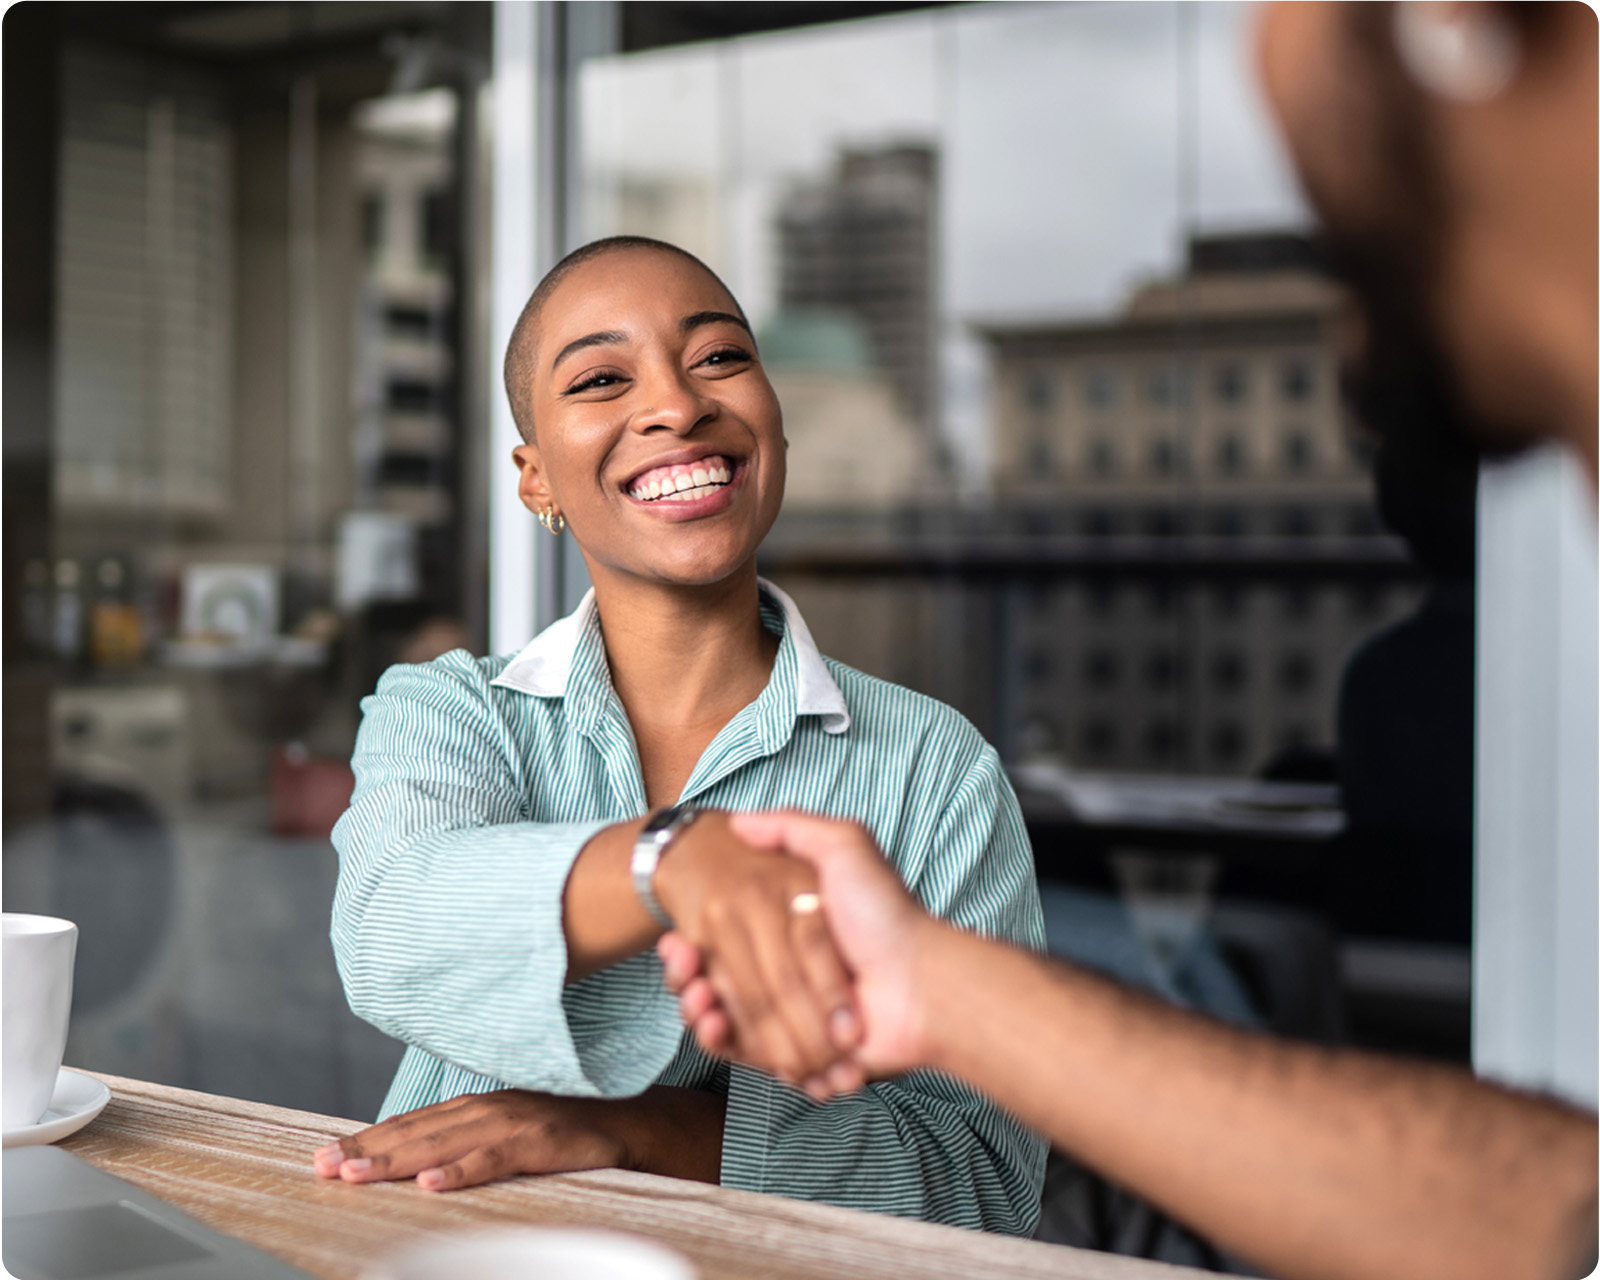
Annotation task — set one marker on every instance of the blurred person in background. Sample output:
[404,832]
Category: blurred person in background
[1450,150]
[1405,758]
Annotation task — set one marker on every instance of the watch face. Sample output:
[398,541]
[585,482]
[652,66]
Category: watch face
[668,818]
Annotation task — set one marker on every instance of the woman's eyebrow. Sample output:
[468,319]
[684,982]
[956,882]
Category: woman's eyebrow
[689,323]
[604,338]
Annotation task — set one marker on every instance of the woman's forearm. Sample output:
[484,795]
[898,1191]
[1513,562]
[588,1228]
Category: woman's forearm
[601,915]
[674,1132]
[1310,1162]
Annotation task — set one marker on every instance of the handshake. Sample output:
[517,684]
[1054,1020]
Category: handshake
[794,948]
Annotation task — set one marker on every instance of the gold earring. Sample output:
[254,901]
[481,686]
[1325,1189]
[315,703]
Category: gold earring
[552,520]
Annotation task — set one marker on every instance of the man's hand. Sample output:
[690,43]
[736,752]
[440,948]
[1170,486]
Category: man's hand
[479,1137]
[879,930]
[774,968]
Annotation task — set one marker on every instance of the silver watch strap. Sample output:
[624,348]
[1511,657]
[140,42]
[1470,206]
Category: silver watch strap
[653,841]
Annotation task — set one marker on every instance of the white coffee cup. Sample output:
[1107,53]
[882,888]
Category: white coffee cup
[37,997]
[547,1252]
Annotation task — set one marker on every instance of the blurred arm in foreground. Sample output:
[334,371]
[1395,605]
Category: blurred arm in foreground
[1310,1162]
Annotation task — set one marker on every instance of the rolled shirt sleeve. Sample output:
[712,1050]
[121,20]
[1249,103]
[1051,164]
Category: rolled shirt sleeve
[447,924]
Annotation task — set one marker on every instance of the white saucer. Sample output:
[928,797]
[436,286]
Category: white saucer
[77,1099]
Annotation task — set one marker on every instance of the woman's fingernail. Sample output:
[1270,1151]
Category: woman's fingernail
[359,1165]
[327,1152]
[842,1026]
[431,1179]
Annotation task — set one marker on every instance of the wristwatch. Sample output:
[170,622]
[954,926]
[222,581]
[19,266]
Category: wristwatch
[654,840]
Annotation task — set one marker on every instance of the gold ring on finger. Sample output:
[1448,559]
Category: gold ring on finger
[804,904]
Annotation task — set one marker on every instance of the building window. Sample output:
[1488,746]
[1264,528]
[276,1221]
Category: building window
[1099,523]
[1164,600]
[1229,383]
[1041,458]
[1039,737]
[1099,739]
[1163,739]
[1227,742]
[1296,522]
[1166,385]
[1039,390]
[1039,665]
[1227,522]
[1102,456]
[1102,599]
[1227,602]
[1297,379]
[1296,672]
[1162,522]
[1296,603]
[371,224]
[1294,735]
[1231,455]
[1169,456]
[1229,671]
[1100,388]
[1100,669]
[437,231]
[1299,453]
[1163,670]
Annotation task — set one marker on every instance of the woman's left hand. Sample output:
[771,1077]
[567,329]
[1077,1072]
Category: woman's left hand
[480,1137]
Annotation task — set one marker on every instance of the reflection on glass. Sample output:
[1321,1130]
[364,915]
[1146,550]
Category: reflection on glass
[1065,449]
[975,348]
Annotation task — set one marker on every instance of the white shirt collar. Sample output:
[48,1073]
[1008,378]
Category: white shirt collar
[545,662]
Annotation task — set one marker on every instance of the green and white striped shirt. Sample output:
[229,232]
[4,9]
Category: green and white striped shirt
[478,781]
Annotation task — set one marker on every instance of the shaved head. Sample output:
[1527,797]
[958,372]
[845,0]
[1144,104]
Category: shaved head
[522,349]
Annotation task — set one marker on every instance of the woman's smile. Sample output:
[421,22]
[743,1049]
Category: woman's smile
[687,489]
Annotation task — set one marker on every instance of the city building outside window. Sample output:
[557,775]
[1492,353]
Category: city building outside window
[1100,387]
[1230,383]
[1297,380]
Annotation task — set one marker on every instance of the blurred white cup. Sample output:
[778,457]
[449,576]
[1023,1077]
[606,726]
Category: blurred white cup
[36,961]
[520,1252]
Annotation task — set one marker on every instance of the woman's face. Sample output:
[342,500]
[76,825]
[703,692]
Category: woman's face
[657,434]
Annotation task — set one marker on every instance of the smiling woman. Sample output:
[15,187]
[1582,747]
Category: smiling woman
[503,881]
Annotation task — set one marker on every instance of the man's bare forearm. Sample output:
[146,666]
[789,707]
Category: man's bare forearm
[1316,1164]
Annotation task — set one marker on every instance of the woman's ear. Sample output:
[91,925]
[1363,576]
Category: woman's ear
[531,486]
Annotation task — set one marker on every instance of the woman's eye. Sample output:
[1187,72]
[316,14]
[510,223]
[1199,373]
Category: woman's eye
[726,356]
[593,382]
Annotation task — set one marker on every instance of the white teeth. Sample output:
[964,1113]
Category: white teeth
[695,483]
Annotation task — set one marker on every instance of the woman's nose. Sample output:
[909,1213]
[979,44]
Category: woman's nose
[673,403]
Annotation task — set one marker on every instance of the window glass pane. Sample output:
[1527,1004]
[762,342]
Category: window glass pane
[973,343]
[1057,358]
[256,499]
